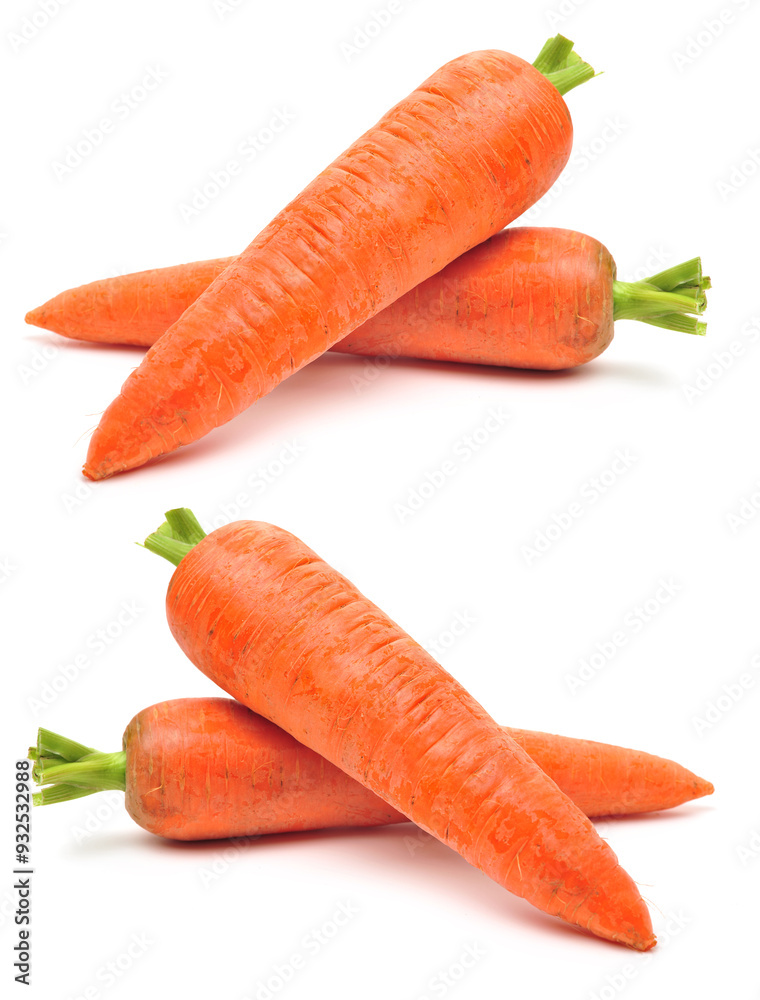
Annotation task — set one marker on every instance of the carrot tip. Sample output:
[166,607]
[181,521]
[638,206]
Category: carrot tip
[35,317]
[703,787]
[645,945]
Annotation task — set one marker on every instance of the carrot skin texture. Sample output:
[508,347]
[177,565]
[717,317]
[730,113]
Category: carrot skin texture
[278,629]
[450,165]
[527,298]
[240,776]
[133,309]
[607,780]
[208,768]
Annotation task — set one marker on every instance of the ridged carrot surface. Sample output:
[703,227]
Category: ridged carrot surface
[204,768]
[466,153]
[281,631]
[209,768]
[526,298]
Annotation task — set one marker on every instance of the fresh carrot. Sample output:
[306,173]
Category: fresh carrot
[526,298]
[466,153]
[285,634]
[206,768]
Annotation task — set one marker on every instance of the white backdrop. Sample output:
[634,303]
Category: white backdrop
[666,164]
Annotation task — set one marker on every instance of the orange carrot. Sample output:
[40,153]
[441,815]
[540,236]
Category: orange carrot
[285,634]
[207,768]
[482,308]
[466,153]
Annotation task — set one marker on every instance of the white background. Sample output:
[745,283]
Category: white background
[367,437]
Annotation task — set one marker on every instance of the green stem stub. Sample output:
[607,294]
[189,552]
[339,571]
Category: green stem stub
[69,770]
[180,532]
[561,65]
[673,299]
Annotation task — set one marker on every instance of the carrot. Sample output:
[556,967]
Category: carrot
[207,768]
[285,634]
[526,298]
[450,165]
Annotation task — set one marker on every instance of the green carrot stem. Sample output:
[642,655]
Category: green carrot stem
[185,525]
[52,794]
[554,54]
[97,771]
[570,77]
[50,744]
[71,770]
[679,323]
[168,548]
[561,65]
[177,536]
[637,299]
[688,273]
[675,298]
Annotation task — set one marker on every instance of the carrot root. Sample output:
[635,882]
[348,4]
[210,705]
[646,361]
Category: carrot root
[69,770]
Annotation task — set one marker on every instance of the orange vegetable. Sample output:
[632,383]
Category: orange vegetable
[285,634]
[450,165]
[207,768]
[526,298]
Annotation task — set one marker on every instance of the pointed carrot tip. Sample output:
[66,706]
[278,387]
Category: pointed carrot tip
[703,787]
[643,944]
[35,317]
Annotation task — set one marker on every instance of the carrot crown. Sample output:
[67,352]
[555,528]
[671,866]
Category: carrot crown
[561,66]
[69,770]
[673,299]
[179,533]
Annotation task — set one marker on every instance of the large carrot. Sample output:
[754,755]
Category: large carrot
[206,768]
[285,634]
[450,165]
[526,298]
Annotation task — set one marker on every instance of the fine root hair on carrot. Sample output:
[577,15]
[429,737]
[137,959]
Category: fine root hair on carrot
[673,299]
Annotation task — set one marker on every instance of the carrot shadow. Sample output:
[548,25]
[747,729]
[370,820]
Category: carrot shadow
[340,384]
[336,385]
[401,852]
[689,810]
[47,338]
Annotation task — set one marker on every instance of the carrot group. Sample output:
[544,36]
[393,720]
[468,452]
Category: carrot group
[340,718]
[287,635]
[450,165]
[526,298]
[207,768]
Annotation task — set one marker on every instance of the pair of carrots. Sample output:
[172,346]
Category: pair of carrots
[372,730]
[394,249]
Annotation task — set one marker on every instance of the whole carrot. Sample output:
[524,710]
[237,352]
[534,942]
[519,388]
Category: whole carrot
[207,768]
[526,298]
[285,634]
[450,165]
